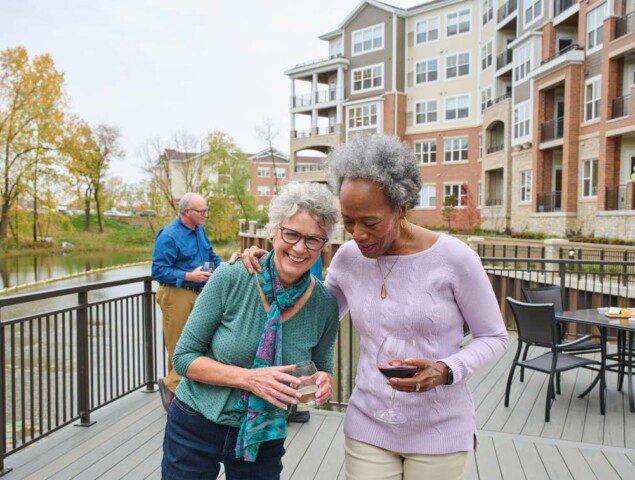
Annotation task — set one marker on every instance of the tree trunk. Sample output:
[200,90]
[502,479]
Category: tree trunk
[35,203]
[97,206]
[87,195]
[4,219]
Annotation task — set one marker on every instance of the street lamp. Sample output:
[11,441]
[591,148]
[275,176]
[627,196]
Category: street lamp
[571,253]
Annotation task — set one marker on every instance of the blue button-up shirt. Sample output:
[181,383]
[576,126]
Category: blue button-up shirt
[178,250]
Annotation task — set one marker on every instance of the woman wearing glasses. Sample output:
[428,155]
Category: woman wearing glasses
[240,345]
[400,280]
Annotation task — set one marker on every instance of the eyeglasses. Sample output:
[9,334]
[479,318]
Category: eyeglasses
[203,212]
[310,241]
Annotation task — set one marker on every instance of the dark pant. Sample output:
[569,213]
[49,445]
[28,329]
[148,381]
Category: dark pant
[194,447]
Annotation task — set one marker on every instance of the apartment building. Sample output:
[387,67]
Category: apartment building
[269,170]
[521,108]
[182,172]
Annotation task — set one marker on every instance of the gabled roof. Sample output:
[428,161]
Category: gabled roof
[381,5]
[266,153]
[171,155]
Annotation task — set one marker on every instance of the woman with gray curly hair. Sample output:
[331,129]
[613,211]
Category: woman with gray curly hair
[404,284]
[241,343]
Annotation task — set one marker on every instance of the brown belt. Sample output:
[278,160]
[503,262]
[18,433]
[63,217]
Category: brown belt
[193,289]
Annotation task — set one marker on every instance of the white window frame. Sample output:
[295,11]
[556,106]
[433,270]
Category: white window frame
[525,186]
[487,13]
[263,190]
[594,28]
[461,197]
[589,190]
[522,62]
[427,111]
[458,22]
[368,114]
[370,28]
[371,68]
[594,102]
[487,59]
[424,201]
[479,198]
[523,123]
[427,71]
[531,5]
[424,150]
[488,93]
[457,99]
[281,172]
[264,172]
[426,21]
[457,65]
[457,149]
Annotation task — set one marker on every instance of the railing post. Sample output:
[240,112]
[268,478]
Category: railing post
[148,337]
[83,374]
[563,284]
[3,409]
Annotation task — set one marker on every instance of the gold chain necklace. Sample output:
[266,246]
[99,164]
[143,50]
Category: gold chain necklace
[384,289]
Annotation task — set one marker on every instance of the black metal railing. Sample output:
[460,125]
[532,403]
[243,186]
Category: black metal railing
[624,25]
[495,148]
[303,100]
[616,198]
[568,48]
[319,60]
[552,129]
[324,96]
[562,5]
[326,130]
[549,202]
[507,9]
[59,365]
[302,133]
[621,106]
[505,58]
[493,202]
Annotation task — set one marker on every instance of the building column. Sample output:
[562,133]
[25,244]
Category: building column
[292,92]
[292,121]
[314,93]
[571,138]
[340,95]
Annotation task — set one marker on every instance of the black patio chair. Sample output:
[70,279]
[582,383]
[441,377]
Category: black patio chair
[553,294]
[537,325]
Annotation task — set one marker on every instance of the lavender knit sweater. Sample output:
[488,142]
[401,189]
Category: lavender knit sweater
[430,295]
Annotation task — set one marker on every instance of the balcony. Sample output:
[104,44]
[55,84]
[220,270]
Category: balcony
[569,48]
[493,202]
[495,148]
[552,130]
[617,198]
[624,25]
[301,133]
[563,5]
[506,10]
[504,59]
[620,107]
[319,60]
[320,97]
[549,202]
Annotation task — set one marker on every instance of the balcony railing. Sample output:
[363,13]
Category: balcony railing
[493,202]
[507,9]
[302,133]
[326,95]
[319,60]
[624,25]
[617,198]
[562,5]
[495,148]
[552,130]
[504,59]
[568,48]
[307,99]
[326,130]
[549,202]
[621,106]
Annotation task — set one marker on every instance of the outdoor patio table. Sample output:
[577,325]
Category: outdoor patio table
[625,327]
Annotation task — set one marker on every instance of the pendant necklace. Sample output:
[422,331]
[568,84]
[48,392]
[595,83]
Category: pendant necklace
[384,289]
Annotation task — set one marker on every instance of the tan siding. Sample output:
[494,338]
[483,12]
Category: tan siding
[522,92]
[401,54]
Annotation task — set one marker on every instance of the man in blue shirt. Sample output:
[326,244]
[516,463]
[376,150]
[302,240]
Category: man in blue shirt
[180,251]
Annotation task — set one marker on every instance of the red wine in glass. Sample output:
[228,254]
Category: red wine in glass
[390,363]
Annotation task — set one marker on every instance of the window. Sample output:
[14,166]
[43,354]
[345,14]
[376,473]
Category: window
[480,194]
[486,98]
[488,11]
[486,55]
[590,178]
[426,152]
[427,30]
[263,172]
[525,186]
[428,196]
[457,65]
[455,149]
[592,98]
[457,192]
[427,71]
[522,62]
[362,116]
[457,22]
[521,120]
[426,112]
[281,172]
[480,146]
[533,10]
[368,39]
[263,190]
[368,78]
[457,107]
[594,20]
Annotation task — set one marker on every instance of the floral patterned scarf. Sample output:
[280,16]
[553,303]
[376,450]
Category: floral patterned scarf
[262,421]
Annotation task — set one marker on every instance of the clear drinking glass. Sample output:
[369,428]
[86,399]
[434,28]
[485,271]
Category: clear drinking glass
[390,363]
[306,373]
[208,267]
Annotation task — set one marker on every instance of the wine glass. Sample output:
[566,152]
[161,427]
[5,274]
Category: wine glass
[305,372]
[390,363]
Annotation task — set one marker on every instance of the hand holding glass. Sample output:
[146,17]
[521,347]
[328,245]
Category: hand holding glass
[208,267]
[306,372]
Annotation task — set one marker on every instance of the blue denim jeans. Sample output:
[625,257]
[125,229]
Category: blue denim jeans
[194,447]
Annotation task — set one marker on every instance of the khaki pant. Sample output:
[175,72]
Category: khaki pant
[368,462]
[176,305]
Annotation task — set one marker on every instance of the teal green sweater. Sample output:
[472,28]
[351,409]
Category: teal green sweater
[225,325]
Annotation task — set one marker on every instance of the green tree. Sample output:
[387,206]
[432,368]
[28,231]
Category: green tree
[106,139]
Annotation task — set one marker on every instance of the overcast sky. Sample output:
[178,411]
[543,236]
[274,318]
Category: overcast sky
[156,67]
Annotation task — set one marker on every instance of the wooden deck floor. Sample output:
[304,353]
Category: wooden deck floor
[515,443]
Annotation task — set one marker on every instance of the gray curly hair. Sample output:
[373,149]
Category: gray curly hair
[314,198]
[378,158]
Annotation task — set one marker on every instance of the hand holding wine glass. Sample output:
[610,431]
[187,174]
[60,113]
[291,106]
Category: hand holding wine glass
[429,374]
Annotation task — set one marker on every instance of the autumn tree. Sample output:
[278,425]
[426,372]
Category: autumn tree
[108,148]
[267,132]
